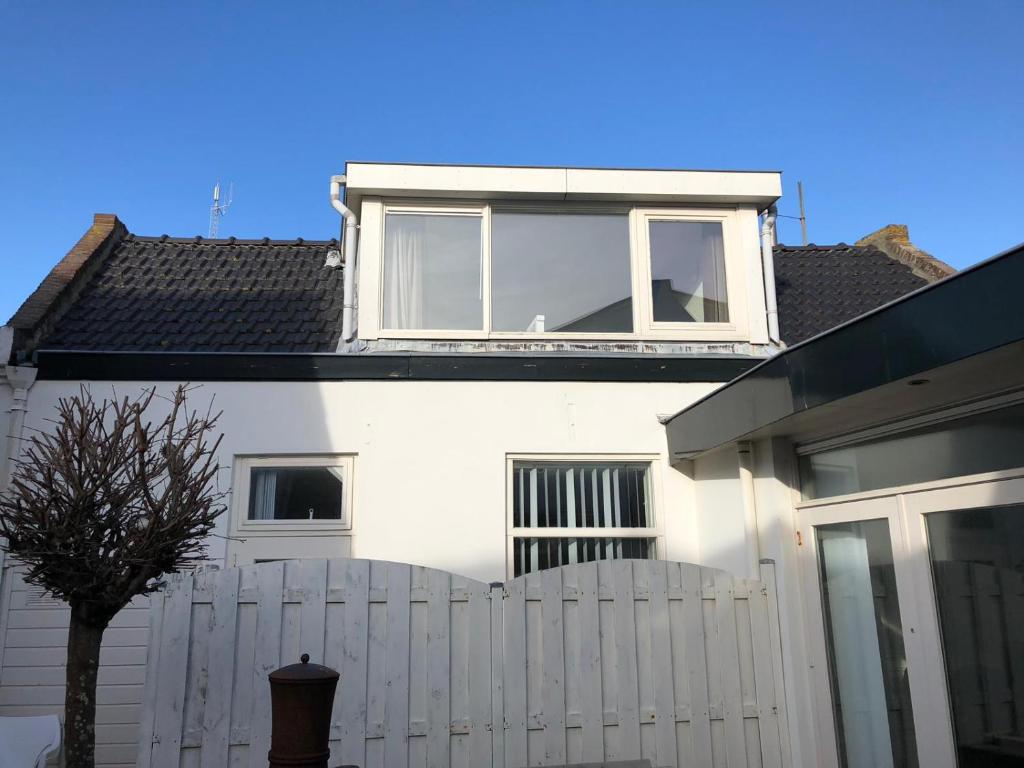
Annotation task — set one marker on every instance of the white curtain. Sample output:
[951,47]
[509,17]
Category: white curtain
[403,270]
[264,492]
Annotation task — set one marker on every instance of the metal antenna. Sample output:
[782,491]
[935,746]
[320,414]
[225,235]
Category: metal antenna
[803,216]
[219,209]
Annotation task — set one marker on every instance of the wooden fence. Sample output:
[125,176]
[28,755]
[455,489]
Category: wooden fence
[601,661]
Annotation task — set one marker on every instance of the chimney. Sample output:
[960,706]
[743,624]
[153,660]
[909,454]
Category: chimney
[894,241]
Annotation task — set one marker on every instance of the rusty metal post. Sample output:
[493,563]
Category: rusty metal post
[301,699]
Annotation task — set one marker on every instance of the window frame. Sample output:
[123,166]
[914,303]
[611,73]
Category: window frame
[656,532]
[733,258]
[243,527]
[644,327]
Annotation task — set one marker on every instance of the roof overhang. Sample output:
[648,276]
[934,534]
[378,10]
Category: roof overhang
[954,341]
[490,182]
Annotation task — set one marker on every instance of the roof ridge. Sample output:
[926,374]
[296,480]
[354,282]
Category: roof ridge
[199,239]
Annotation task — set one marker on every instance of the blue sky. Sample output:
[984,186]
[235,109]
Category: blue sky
[908,112]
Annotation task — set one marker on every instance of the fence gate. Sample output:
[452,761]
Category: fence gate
[614,660]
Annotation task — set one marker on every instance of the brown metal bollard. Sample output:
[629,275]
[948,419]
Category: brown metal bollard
[301,698]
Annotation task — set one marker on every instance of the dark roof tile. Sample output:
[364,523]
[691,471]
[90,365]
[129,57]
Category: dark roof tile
[177,294]
[820,286]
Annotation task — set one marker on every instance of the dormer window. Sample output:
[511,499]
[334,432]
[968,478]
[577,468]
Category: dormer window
[506,270]
[559,255]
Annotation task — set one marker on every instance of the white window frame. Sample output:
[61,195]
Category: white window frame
[376,212]
[243,527]
[655,532]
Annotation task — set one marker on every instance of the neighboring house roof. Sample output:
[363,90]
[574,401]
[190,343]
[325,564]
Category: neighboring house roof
[820,286]
[115,291]
[174,294]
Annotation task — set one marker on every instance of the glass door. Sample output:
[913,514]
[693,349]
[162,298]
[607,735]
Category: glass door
[876,696]
[969,540]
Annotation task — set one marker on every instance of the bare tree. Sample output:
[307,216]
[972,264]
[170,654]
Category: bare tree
[101,506]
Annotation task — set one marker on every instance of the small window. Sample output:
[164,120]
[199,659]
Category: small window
[688,272]
[577,512]
[296,493]
[293,493]
[433,271]
[560,273]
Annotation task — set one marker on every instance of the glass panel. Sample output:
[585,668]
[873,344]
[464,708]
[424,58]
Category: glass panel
[560,273]
[557,495]
[984,442]
[534,554]
[295,493]
[688,272]
[977,558]
[864,635]
[432,272]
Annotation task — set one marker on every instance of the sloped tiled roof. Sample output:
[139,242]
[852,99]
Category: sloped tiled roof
[820,286]
[199,295]
[171,294]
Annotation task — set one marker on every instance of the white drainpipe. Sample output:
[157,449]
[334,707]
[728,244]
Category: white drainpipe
[768,267]
[745,459]
[20,378]
[349,246]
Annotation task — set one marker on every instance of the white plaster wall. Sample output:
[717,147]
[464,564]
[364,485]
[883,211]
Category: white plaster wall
[430,457]
[718,503]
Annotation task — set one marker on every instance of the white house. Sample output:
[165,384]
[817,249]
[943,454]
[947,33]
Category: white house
[518,368]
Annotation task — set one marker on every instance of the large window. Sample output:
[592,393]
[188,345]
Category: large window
[560,273]
[579,511]
[511,270]
[982,442]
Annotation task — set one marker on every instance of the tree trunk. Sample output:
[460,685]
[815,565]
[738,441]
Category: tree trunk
[80,696]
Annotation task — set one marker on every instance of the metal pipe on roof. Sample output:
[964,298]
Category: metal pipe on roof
[349,245]
[768,267]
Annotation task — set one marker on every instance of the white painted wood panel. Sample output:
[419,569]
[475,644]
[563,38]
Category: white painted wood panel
[600,661]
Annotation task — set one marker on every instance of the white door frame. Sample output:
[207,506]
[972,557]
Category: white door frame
[921,639]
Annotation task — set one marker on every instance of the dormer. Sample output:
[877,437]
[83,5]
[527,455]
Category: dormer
[510,254]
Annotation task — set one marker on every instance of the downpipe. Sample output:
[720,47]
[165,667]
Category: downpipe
[349,245]
[768,267]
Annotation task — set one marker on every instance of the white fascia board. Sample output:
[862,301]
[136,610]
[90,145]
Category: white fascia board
[498,182]
[751,187]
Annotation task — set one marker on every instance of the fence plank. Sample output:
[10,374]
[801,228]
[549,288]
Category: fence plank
[515,673]
[147,723]
[553,664]
[697,667]
[396,700]
[439,712]
[313,612]
[497,673]
[479,674]
[217,712]
[355,636]
[661,651]
[732,694]
[626,667]
[270,588]
[591,699]
[170,704]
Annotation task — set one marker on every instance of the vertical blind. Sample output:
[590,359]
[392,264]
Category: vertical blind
[548,495]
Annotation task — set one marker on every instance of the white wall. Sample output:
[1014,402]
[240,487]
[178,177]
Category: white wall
[430,457]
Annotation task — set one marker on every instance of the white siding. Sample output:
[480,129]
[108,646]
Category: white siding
[33,639]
